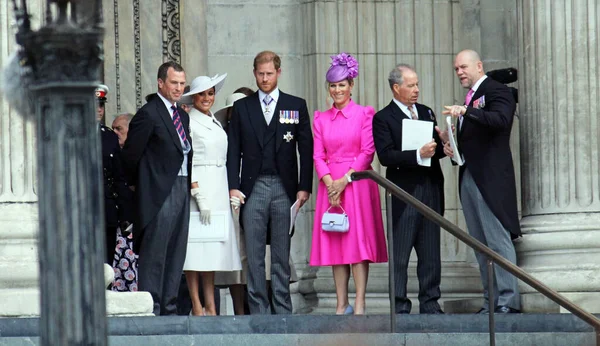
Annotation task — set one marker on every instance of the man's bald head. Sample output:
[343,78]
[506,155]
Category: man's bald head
[468,68]
[121,126]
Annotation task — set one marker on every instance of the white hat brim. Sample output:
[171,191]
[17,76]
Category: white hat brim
[202,83]
[230,101]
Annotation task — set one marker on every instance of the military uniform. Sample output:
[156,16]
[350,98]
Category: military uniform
[117,195]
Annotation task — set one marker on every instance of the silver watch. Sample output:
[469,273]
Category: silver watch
[348,177]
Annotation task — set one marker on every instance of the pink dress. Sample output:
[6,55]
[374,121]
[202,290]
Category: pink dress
[343,139]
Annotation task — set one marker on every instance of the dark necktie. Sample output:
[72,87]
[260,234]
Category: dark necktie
[178,124]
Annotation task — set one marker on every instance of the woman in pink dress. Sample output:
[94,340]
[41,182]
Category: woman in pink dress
[343,143]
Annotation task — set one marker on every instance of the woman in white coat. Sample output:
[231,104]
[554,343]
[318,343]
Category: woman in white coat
[210,209]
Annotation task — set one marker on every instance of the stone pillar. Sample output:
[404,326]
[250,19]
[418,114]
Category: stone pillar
[63,59]
[558,85]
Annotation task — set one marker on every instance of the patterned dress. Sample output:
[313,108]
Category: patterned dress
[343,139]
[125,265]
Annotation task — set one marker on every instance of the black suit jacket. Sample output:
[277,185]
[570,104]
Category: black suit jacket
[402,167]
[117,195]
[484,140]
[245,136]
[152,156]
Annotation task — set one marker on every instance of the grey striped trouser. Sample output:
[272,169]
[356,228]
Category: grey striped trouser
[268,208]
[485,227]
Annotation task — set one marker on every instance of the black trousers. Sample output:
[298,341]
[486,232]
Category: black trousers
[413,230]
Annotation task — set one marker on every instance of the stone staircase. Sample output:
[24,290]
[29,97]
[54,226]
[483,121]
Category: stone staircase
[322,330]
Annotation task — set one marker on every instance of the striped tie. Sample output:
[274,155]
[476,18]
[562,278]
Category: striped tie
[178,124]
[413,114]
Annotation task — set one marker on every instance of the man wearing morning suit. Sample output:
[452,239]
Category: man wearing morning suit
[157,156]
[487,178]
[265,131]
[407,169]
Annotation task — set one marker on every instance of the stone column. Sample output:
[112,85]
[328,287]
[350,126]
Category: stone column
[63,59]
[558,86]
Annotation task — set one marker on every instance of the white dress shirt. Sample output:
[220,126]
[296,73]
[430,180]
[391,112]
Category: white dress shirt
[275,96]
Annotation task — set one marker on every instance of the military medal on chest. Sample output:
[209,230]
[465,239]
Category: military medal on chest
[282,117]
[289,117]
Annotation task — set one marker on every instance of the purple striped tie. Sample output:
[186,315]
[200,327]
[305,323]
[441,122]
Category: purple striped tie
[178,124]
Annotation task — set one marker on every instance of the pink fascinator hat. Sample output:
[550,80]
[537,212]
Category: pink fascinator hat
[343,66]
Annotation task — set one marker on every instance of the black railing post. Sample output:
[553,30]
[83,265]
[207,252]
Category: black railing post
[390,238]
[491,301]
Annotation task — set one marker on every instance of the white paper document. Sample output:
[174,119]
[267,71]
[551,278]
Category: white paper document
[293,214]
[456,158]
[213,232]
[415,134]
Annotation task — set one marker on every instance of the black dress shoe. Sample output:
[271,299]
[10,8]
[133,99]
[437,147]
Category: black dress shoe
[483,311]
[503,309]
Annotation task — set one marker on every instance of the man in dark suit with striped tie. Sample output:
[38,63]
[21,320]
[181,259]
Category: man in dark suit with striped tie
[487,184]
[408,170]
[157,157]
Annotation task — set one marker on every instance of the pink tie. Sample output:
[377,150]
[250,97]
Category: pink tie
[469,97]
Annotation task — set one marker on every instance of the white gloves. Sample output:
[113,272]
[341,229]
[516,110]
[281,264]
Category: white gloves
[235,201]
[202,206]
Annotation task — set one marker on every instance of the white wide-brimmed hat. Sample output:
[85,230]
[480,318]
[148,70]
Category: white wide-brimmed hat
[229,103]
[199,84]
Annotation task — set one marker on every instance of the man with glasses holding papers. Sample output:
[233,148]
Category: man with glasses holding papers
[416,169]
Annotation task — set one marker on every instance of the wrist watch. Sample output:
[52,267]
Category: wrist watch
[348,177]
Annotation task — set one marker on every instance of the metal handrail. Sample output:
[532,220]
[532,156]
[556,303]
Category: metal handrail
[480,247]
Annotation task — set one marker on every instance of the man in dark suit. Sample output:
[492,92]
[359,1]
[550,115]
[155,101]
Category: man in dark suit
[117,196]
[157,156]
[265,131]
[408,170]
[487,177]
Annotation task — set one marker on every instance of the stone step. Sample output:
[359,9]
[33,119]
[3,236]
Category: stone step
[372,339]
[413,330]
[26,303]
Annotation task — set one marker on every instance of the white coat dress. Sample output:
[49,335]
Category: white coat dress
[209,142]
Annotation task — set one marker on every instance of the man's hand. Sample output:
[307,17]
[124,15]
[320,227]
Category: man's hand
[302,196]
[448,150]
[236,198]
[443,134]
[455,110]
[428,150]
